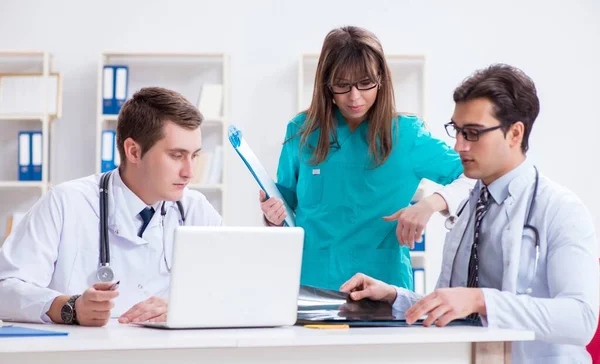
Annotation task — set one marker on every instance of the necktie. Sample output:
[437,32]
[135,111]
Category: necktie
[146,215]
[480,211]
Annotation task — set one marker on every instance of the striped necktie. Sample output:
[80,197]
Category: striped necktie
[480,211]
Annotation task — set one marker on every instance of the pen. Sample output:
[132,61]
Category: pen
[327,326]
[114,286]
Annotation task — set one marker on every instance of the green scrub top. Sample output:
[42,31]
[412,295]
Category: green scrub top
[341,201]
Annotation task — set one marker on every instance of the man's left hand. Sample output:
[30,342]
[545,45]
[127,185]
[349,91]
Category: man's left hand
[154,309]
[447,304]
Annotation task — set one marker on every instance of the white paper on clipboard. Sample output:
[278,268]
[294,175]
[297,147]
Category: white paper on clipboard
[259,173]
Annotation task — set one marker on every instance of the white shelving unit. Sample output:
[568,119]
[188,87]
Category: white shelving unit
[184,73]
[408,76]
[18,196]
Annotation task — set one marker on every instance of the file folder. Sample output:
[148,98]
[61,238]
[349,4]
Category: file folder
[24,156]
[419,245]
[108,91]
[36,156]
[419,280]
[121,86]
[258,172]
[114,88]
[19,331]
[116,155]
[108,150]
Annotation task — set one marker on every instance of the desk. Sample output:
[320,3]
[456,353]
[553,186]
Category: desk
[117,343]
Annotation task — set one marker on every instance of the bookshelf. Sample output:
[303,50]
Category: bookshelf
[30,100]
[408,76]
[186,73]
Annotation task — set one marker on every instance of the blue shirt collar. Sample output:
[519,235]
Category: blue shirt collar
[499,188]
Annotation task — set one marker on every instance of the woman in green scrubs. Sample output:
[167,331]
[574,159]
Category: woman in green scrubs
[349,162]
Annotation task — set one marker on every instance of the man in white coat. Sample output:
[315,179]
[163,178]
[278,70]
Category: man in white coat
[49,264]
[523,252]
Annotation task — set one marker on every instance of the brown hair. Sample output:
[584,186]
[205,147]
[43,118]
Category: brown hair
[356,51]
[143,116]
[511,91]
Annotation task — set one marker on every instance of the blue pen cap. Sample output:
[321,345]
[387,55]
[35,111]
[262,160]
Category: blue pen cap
[235,136]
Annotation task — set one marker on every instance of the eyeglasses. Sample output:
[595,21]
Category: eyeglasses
[468,132]
[345,87]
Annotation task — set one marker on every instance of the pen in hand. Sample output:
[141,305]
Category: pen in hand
[115,286]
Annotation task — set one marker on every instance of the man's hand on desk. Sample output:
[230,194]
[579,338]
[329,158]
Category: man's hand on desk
[447,304]
[94,305]
[153,309]
[362,286]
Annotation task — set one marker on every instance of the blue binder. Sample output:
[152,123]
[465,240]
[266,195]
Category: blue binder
[36,155]
[418,280]
[109,104]
[107,146]
[419,245]
[24,158]
[19,331]
[121,86]
[114,88]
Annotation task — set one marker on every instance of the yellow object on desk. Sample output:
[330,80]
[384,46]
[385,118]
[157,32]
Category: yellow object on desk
[327,326]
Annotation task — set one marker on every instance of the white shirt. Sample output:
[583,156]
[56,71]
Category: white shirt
[562,306]
[54,250]
[489,248]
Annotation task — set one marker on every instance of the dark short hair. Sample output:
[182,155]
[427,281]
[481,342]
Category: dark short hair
[143,116]
[511,91]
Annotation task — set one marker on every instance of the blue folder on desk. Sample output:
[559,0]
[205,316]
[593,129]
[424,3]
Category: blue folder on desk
[19,331]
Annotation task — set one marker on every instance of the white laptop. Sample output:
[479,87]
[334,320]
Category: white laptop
[234,277]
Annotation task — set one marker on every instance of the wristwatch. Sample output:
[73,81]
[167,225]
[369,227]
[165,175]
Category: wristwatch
[67,312]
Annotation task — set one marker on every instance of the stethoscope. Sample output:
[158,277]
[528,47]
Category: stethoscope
[451,221]
[105,273]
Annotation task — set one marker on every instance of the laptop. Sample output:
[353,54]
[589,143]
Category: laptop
[233,277]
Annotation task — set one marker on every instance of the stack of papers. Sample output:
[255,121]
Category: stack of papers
[322,306]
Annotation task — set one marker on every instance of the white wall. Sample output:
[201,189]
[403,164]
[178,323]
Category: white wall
[556,42]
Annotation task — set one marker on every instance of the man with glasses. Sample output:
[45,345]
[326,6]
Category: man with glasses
[523,253]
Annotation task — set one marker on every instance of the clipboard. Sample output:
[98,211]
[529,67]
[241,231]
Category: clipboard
[265,182]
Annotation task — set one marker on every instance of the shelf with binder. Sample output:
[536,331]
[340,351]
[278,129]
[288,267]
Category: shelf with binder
[206,187]
[203,78]
[417,254]
[218,121]
[30,101]
[22,184]
[18,117]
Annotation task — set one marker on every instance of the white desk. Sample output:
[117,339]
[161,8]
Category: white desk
[117,343]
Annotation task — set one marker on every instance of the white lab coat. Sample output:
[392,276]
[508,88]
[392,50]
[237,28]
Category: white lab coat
[563,306]
[54,250]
